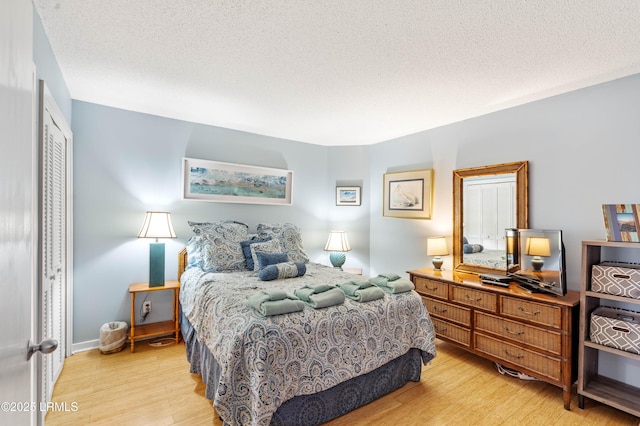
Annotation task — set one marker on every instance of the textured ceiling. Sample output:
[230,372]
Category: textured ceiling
[341,72]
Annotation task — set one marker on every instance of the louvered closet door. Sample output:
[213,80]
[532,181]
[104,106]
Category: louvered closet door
[54,243]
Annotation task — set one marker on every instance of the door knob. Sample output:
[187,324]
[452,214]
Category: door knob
[46,347]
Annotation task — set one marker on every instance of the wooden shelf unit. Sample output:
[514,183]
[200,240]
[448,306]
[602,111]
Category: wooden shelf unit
[154,329]
[531,333]
[590,383]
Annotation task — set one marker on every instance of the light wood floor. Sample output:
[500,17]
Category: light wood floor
[153,386]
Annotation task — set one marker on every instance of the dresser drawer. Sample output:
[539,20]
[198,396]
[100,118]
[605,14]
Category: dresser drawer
[475,298]
[453,332]
[546,366]
[546,340]
[445,310]
[433,288]
[531,311]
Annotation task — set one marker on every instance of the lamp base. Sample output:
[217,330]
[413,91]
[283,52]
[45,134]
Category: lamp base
[337,259]
[437,263]
[156,265]
[537,263]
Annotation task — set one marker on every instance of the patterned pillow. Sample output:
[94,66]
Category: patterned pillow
[282,270]
[289,236]
[270,246]
[246,250]
[216,246]
[229,230]
[266,259]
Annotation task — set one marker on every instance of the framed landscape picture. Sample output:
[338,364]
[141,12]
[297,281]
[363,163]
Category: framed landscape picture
[348,196]
[235,183]
[622,222]
[408,194]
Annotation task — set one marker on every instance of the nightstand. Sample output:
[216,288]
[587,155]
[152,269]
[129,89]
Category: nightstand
[157,328]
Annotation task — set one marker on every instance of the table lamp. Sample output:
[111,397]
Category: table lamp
[537,247]
[337,244]
[156,225]
[437,246]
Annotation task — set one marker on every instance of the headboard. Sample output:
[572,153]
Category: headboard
[182,262]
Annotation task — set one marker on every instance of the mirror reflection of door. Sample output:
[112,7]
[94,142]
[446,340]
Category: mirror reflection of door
[489,208]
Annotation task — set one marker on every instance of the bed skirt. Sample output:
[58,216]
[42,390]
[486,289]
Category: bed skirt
[317,408]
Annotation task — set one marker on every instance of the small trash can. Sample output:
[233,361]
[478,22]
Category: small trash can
[113,337]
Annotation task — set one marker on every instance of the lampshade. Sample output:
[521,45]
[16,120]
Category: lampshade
[337,242]
[157,225]
[437,246]
[538,246]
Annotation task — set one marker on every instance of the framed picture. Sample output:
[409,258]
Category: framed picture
[235,183]
[408,194]
[622,221]
[347,195]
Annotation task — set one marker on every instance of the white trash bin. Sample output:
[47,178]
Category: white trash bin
[113,337]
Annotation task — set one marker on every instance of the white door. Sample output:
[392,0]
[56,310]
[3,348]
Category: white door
[18,236]
[55,225]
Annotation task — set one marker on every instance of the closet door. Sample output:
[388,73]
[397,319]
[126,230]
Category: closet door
[54,237]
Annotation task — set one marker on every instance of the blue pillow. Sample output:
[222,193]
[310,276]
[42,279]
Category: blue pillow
[282,270]
[246,250]
[265,259]
[472,248]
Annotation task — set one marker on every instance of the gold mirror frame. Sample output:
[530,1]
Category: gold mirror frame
[522,206]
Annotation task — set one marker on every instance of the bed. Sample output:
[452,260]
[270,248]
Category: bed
[299,368]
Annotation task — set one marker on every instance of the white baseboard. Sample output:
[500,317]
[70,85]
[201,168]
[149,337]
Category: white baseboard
[85,346]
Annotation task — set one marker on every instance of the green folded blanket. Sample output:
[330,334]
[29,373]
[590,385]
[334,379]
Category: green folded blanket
[398,285]
[390,276]
[362,292]
[274,302]
[304,292]
[320,299]
[350,287]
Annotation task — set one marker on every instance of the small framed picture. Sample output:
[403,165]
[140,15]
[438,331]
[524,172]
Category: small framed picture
[622,222]
[347,195]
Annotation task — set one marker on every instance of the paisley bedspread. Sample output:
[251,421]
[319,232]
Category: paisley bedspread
[267,361]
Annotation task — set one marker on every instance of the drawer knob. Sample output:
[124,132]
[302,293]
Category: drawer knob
[521,309]
[513,356]
[439,329]
[517,333]
[477,299]
[435,309]
[431,288]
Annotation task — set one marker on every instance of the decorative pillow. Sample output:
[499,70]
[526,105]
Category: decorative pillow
[195,252]
[266,259]
[216,246]
[270,246]
[246,250]
[472,248]
[229,230]
[289,236]
[282,270]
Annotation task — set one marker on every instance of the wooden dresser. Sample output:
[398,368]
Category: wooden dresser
[535,334]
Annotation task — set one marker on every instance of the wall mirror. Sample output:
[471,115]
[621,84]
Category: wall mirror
[486,201]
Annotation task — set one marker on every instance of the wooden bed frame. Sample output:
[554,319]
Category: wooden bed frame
[182,262]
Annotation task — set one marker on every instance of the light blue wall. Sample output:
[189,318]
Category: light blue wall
[582,149]
[126,163]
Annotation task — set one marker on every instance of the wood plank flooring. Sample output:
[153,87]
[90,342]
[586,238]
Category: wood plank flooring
[153,386]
